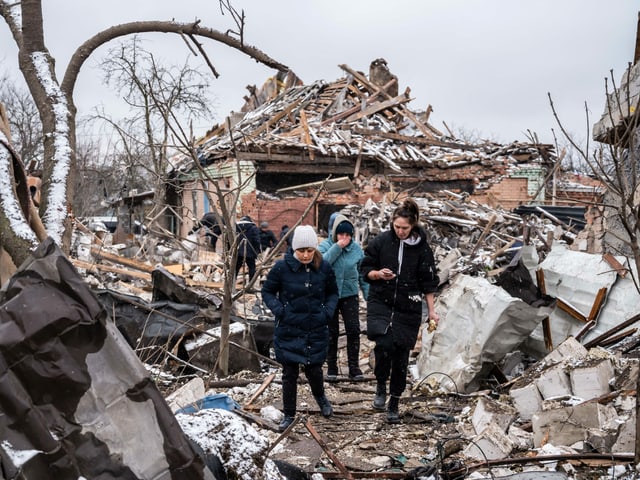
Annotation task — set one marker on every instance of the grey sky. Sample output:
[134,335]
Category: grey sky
[484,66]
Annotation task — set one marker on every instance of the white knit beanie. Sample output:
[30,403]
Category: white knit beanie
[304,236]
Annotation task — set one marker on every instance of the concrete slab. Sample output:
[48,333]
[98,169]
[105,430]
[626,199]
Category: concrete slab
[626,441]
[554,382]
[591,379]
[568,349]
[567,425]
[490,411]
[527,400]
[491,444]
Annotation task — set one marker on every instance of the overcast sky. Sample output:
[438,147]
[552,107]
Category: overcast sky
[483,65]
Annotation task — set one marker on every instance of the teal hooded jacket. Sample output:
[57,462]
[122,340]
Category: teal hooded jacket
[344,261]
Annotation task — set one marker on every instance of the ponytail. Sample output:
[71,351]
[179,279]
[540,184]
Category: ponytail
[409,210]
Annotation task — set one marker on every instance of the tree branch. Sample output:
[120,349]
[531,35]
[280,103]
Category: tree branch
[191,29]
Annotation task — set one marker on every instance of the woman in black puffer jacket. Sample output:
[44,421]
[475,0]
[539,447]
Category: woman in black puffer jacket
[302,293]
[400,267]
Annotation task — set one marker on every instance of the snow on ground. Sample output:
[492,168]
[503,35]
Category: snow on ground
[238,445]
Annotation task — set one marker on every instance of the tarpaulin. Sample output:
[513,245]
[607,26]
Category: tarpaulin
[75,401]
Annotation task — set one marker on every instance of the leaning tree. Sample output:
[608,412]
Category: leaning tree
[22,227]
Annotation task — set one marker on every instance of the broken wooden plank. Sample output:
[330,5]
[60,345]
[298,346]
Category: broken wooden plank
[410,139]
[597,303]
[378,107]
[307,134]
[403,111]
[546,321]
[276,118]
[484,233]
[596,341]
[571,310]
[98,267]
[129,262]
[336,461]
[611,260]
[265,384]
[616,338]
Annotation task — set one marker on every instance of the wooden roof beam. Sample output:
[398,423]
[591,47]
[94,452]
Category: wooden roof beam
[403,111]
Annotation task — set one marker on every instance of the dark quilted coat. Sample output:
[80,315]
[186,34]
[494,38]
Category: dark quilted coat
[397,303]
[303,300]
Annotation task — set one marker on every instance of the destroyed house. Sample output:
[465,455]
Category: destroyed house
[359,132]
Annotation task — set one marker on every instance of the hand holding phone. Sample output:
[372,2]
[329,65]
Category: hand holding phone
[387,274]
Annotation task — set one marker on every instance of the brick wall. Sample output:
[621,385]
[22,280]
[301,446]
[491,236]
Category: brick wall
[508,194]
[280,212]
[287,211]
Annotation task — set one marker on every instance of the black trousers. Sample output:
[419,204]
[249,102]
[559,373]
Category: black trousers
[290,373]
[392,364]
[251,265]
[348,307]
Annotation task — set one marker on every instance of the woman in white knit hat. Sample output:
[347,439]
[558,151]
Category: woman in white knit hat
[301,292]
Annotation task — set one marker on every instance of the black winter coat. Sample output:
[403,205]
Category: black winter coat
[397,304]
[303,300]
[249,239]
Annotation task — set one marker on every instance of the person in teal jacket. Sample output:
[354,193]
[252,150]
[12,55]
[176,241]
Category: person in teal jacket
[344,255]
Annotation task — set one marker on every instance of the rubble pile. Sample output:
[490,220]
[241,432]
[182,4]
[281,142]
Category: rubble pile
[479,405]
[467,237]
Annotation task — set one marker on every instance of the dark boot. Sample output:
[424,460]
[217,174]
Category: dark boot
[284,424]
[353,358]
[332,371]
[393,416]
[380,399]
[325,407]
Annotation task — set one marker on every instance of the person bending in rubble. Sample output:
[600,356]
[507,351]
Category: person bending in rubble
[400,267]
[212,228]
[301,292]
[344,255]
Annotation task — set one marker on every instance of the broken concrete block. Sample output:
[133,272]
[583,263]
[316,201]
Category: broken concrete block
[625,403]
[189,393]
[554,382]
[591,379]
[521,439]
[599,440]
[527,400]
[489,411]
[491,444]
[567,425]
[203,351]
[569,349]
[628,378]
[626,441]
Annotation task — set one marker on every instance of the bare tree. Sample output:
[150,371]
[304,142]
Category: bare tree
[26,129]
[158,97]
[615,163]
[57,112]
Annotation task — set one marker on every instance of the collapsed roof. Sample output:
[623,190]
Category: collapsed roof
[356,124]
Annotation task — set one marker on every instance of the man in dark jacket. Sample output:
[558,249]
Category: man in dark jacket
[283,231]
[210,222]
[248,244]
[267,237]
